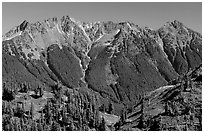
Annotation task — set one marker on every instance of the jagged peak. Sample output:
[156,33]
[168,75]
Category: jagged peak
[175,23]
[65,17]
[67,20]
[23,25]
[15,31]
[53,19]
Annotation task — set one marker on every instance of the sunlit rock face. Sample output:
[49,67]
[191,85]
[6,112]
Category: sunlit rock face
[119,61]
[182,45]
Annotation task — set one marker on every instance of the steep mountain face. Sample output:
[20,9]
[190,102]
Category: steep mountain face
[118,62]
[182,45]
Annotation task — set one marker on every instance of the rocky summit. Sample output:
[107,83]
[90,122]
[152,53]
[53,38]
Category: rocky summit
[63,74]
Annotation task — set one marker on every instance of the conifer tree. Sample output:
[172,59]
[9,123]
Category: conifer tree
[110,108]
[102,125]
[32,110]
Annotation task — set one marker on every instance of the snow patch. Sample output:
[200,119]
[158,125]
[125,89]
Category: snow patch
[106,44]
[160,42]
[81,27]
[129,25]
[14,35]
[107,37]
[59,29]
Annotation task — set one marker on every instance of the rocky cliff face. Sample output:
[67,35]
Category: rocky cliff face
[118,62]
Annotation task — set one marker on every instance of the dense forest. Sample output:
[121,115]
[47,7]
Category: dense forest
[74,111]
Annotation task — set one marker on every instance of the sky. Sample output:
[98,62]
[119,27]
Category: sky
[153,15]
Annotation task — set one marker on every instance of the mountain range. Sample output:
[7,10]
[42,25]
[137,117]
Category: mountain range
[120,73]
